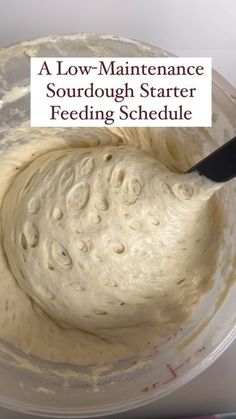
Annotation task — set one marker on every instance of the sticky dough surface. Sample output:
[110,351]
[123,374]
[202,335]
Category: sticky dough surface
[110,248]
[106,236]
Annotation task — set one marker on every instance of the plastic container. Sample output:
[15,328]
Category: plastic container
[30,385]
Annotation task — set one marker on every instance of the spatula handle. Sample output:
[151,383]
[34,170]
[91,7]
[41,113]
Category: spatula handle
[220,165]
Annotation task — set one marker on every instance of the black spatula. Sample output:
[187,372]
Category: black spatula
[220,165]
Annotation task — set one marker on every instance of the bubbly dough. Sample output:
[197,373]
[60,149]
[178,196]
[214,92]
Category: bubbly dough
[108,237]
[202,245]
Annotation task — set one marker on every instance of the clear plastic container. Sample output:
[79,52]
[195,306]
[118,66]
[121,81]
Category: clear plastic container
[31,385]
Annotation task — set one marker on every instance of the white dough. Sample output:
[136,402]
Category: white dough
[107,249]
[99,237]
